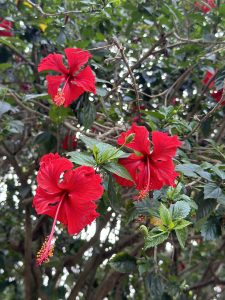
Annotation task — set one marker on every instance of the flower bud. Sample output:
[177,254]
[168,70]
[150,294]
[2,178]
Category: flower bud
[129,138]
[144,230]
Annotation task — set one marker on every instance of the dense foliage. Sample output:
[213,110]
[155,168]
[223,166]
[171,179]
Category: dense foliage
[157,64]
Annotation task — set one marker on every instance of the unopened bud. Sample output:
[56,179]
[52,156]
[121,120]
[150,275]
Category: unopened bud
[129,138]
[144,230]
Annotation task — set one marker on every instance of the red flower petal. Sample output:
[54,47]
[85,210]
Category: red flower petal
[76,58]
[49,174]
[69,142]
[48,157]
[5,28]
[42,199]
[54,83]
[86,80]
[137,168]
[162,173]
[79,215]
[208,75]
[53,62]
[84,187]
[83,184]
[217,96]
[206,8]
[71,93]
[140,142]
[164,146]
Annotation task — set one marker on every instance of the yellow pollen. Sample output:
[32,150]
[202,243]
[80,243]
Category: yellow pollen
[45,252]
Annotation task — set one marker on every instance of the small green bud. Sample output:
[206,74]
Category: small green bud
[144,230]
[129,138]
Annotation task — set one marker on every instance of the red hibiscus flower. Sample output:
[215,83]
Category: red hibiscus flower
[5,28]
[207,77]
[205,8]
[72,81]
[67,195]
[69,142]
[150,169]
[216,95]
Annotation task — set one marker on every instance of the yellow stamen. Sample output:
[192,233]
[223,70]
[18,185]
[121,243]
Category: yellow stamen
[59,98]
[45,252]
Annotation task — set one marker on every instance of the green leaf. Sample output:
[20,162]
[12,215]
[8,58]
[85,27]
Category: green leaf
[165,215]
[58,113]
[221,199]
[155,239]
[205,207]
[173,193]
[101,91]
[180,210]
[143,265]
[218,172]
[143,207]
[87,114]
[211,229]
[188,169]
[123,263]
[212,191]
[190,202]
[34,96]
[89,142]
[103,147]
[5,66]
[45,140]
[118,170]
[182,236]
[5,107]
[82,159]
[204,174]
[112,195]
[181,224]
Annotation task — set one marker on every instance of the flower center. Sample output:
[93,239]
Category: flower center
[59,98]
[47,248]
[144,193]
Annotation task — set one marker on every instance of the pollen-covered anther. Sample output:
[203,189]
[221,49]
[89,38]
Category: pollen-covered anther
[142,194]
[45,252]
[59,98]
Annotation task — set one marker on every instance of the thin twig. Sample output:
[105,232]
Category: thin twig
[121,49]
[197,41]
[137,64]
[65,13]
[209,114]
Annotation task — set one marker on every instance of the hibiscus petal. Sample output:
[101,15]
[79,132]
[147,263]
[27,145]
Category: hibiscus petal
[54,83]
[5,28]
[79,214]
[217,96]
[48,157]
[136,167]
[164,146]
[53,62]
[83,184]
[84,187]
[76,58]
[162,173]
[208,75]
[71,93]
[86,80]
[42,199]
[140,142]
[49,174]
